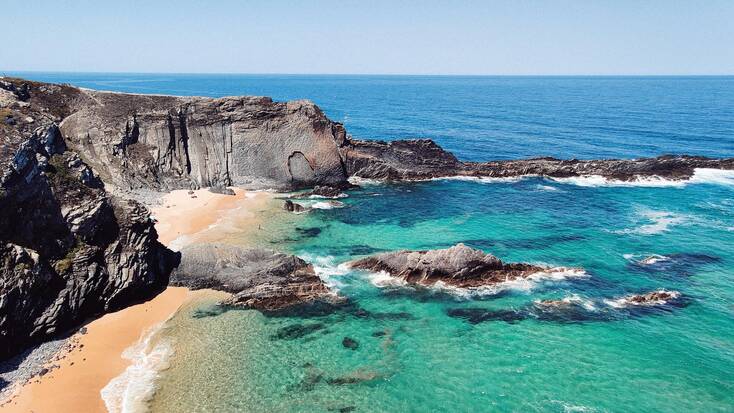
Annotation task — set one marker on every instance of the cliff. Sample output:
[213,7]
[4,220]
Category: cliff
[68,249]
[164,142]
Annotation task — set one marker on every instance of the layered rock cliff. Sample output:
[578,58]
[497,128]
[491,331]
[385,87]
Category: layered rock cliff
[164,142]
[68,249]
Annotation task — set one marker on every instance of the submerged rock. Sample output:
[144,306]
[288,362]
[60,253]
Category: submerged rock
[261,279]
[575,309]
[350,343]
[296,331]
[458,266]
[653,298]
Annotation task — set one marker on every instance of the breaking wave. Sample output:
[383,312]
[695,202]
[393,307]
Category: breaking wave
[327,269]
[327,205]
[132,390]
[383,279]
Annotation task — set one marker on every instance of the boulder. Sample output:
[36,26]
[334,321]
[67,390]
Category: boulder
[459,266]
[258,278]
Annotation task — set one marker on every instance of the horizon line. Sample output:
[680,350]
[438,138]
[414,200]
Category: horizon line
[5,73]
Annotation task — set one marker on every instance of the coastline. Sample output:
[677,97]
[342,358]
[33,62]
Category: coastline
[95,356]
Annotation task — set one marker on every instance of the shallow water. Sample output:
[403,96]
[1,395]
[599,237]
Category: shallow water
[414,350]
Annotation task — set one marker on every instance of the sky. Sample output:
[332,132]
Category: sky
[370,37]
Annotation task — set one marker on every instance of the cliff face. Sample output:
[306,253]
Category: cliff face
[164,142]
[68,249]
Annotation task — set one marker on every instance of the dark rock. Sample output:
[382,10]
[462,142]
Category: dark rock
[350,343]
[291,206]
[480,315]
[326,191]
[221,190]
[459,266]
[296,331]
[68,249]
[308,232]
[258,278]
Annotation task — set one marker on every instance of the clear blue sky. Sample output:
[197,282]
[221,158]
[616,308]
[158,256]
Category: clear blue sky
[373,37]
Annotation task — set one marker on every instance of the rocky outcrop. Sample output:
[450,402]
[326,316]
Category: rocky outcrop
[68,250]
[291,206]
[458,266]
[260,279]
[575,309]
[653,298]
[424,159]
[165,142]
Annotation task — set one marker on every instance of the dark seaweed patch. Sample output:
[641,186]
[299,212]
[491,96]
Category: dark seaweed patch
[296,331]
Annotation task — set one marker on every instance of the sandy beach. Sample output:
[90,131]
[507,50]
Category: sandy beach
[184,217]
[92,359]
[89,361]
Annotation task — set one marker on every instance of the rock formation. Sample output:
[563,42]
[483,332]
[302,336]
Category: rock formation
[424,159]
[459,266]
[261,279]
[68,250]
[165,142]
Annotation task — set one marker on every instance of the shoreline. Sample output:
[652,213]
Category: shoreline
[81,366]
[92,357]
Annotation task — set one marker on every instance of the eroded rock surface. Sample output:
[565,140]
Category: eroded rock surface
[257,278]
[68,250]
[459,266]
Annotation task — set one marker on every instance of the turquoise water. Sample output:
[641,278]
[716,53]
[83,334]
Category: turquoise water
[413,353]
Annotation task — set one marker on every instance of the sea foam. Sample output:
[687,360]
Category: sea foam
[383,279]
[658,222]
[131,391]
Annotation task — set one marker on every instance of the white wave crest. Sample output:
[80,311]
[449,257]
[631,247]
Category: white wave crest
[546,188]
[356,180]
[700,176]
[327,205]
[383,279]
[132,390]
[327,269]
[712,176]
[573,299]
[600,181]
[628,301]
[650,259]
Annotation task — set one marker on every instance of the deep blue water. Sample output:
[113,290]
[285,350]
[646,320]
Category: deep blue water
[482,118]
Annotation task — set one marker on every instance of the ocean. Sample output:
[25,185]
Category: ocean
[413,353]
